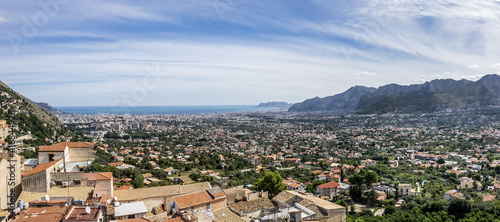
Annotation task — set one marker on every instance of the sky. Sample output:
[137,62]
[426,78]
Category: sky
[238,52]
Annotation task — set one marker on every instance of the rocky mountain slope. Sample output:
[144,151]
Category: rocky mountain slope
[340,103]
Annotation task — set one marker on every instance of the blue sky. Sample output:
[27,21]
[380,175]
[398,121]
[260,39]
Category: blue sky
[228,52]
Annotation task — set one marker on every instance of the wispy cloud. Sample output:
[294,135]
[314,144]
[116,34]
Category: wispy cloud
[473,66]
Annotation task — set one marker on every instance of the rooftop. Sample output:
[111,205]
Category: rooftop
[130,209]
[42,167]
[150,192]
[59,147]
[42,214]
[252,205]
[192,199]
[329,185]
[79,213]
[226,215]
[75,192]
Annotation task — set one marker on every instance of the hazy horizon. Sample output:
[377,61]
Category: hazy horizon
[233,52]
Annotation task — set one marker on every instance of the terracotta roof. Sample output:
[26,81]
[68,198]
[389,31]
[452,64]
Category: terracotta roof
[59,147]
[79,213]
[252,205]
[317,172]
[192,199]
[294,184]
[42,167]
[40,214]
[488,198]
[99,176]
[124,187]
[329,185]
[115,164]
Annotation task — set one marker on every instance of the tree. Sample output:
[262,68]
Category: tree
[371,177]
[440,161]
[310,188]
[389,210]
[138,181]
[343,203]
[459,207]
[355,192]
[271,182]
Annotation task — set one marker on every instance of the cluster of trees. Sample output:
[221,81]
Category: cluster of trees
[455,210]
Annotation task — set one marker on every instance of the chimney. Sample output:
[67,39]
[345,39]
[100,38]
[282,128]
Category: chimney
[296,216]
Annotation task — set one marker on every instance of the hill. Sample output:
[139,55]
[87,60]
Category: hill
[430,96]
[36,125]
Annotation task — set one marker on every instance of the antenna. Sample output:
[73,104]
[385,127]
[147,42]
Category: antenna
[87,210]
[47,198]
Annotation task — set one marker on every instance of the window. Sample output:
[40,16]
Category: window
[209,207]
[77,182]
[59,183]
[51,157]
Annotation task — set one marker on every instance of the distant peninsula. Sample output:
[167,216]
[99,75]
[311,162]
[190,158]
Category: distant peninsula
[280,105]
[49,108]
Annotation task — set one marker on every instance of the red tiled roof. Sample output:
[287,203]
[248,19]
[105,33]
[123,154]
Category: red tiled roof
[42,167]
[40,214]
[488,198]
[99,176]
[331,184]
[294,184]
[192,199]
[115,164]
[59,147]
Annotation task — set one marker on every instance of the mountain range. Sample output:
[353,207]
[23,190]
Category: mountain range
[427,97]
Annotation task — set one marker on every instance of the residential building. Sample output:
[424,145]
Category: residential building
[368,163]
[329,189]
[404,189]
[294,185]
[155,196]
[200,204]
[4,129]
[70,152]
[470,184]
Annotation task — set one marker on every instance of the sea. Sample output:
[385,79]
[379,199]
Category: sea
[156,110]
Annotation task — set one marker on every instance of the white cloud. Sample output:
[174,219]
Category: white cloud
[3,19]
[366,74]
[496,66]
[473,66]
